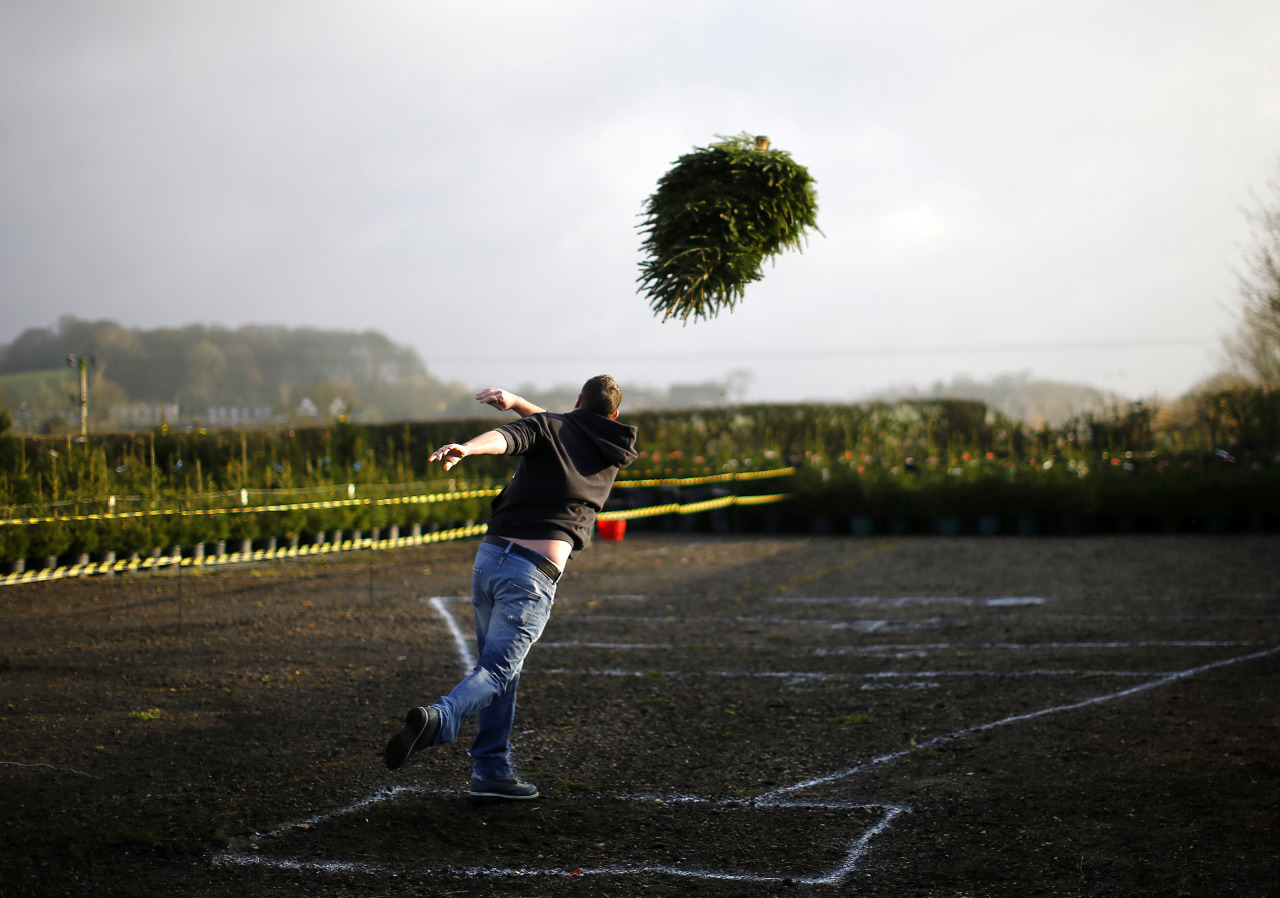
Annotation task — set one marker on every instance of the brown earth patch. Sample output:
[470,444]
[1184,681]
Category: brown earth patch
[1066,717]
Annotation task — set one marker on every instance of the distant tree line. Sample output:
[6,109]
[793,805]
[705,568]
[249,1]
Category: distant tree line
[1239,407]
[212,376]
[1253,350]
[199,368]
[1021,396]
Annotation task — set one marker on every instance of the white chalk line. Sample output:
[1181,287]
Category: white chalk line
[468,661]
[240,859]
[460,642]
[901,601]
[388,794]
[824,676]
[871,625]
[246,855]
[1033,646]
[1144,618]
[877,624]
[467,658]
[857,849]
[918,648]
[921,682]
[893,757]
[882,623]
[905,601]
[996,602]
[50,767]
[611,646]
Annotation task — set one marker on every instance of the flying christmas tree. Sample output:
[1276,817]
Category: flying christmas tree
[715,218]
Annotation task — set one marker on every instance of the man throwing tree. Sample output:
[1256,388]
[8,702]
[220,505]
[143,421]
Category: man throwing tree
[567,467]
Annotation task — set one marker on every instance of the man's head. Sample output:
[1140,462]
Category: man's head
[601,395]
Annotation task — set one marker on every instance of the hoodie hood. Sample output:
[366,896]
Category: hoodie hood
[568,465]
[616,442]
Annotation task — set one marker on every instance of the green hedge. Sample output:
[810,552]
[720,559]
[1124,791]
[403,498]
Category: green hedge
[1153,494]
[914,461]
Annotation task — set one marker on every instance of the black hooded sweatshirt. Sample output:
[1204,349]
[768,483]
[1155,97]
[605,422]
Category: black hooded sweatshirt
[567,468]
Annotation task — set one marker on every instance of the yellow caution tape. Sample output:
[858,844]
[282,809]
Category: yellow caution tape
[424,499]
[255,509]
[178,560]
[691,507]
[709,478]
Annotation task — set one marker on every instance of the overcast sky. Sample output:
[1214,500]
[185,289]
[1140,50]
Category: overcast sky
[1003,185]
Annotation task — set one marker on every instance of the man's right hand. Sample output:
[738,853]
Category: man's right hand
[450,454]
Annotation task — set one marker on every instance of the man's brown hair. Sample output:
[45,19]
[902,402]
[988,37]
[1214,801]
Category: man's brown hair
[602,395]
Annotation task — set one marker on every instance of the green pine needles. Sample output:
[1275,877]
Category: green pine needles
[714,219]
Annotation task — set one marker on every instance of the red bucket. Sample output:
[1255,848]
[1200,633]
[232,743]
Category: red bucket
[611,531]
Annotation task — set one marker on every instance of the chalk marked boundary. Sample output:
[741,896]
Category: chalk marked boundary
[894,757]
[248,853]
[465,658]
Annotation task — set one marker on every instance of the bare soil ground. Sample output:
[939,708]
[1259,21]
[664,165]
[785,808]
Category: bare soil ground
[709,715]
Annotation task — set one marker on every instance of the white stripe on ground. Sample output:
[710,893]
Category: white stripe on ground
[893,757]
[465,657]
[777,798]
[838,676]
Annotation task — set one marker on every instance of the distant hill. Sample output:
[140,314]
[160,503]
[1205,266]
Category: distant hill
[1017,395]
[253,374]
[269,375]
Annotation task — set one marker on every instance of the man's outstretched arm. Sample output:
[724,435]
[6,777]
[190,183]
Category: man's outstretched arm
[491,442]
[504,401]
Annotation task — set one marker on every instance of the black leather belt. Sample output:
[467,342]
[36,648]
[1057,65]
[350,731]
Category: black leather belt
[538,560]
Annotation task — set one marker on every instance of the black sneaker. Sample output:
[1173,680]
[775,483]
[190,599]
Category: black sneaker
[421,726]
[510,788]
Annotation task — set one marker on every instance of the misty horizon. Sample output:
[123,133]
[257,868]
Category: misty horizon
[1004,188]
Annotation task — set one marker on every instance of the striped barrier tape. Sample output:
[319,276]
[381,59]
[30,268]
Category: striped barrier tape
[709,478]
[691,507]
[254,509]
[423,499]
[179,560]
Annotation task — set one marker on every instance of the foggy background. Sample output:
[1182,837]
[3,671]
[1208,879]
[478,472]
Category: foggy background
[1005,186]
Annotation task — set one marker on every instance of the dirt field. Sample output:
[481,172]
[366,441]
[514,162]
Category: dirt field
[708,715]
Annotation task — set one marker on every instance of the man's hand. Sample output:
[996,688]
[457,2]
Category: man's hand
[504,401]
[499,399]
[491,442]
[450,454]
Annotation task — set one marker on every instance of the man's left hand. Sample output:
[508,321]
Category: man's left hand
[498,398]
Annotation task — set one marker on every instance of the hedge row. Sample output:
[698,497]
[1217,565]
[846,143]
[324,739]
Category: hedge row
[914,462]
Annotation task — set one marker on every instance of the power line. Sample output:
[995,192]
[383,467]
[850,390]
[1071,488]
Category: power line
[747,355]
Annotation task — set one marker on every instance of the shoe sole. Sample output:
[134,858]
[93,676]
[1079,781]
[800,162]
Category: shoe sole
[506,795]
[401,744]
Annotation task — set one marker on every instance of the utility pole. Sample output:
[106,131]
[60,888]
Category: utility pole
[84,361]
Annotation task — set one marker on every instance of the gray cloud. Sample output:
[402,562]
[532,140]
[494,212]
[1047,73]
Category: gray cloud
[995,179]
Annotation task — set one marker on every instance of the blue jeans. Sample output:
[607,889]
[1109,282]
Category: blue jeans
[512,601]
